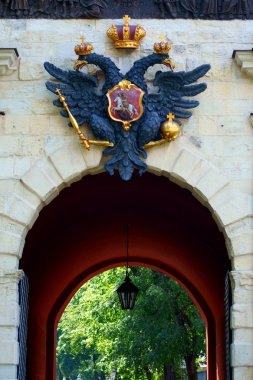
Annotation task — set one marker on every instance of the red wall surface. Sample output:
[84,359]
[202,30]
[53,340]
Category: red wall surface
[82,232]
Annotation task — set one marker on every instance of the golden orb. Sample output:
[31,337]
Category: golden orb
[170,130]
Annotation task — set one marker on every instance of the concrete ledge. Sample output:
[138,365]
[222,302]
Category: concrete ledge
[9,61]
[244,59]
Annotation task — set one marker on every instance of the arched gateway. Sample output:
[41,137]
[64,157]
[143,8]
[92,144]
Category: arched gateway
[81,233]
[191,215]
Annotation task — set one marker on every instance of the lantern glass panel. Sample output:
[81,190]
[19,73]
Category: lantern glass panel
[127,293]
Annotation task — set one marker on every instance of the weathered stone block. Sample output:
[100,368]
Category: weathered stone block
[245,373]
[31,70]
[8,372]
[69,163]
[9,314]
[9,332]
[9,352]
[167,159]
[243,262]
[156,159]
[242,282]
[184,165]
[8,262]
[11,244]
[211,183]
[242,316]
[241,354]
[244,334]
[18,209]
[242,244]
[7,167]
[16,124]
[92,157]
[198,172]
[41,184]
[233,208]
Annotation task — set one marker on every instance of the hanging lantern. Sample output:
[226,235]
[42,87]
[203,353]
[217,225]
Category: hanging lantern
[127,291]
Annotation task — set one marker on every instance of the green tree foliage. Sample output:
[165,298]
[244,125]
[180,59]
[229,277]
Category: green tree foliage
[96,337]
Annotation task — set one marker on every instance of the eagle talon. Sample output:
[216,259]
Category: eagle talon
[101,143]
[151,144]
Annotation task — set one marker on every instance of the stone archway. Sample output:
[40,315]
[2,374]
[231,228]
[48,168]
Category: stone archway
[43,183]
[171,231]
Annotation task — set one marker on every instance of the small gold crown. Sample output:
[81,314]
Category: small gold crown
[126,36]
[162,47]
[85,48]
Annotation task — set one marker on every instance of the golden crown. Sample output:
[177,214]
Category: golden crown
[84,48]
[162,47]
[126,36]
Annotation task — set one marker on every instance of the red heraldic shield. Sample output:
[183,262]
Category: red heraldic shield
[125,103]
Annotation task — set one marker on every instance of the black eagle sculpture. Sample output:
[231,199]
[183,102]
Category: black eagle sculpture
[89,105]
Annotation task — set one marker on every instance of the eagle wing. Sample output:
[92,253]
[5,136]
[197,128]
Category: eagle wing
[174,88]
[79,90]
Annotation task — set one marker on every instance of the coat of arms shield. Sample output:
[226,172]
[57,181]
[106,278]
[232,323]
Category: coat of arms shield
[125,103]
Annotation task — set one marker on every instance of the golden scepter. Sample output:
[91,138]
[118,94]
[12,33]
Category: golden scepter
[73,121]
[86,142]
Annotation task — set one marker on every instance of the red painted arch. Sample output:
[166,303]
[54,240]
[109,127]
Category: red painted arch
[81,233]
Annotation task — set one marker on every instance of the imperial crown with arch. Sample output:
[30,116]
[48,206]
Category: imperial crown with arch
[126,36]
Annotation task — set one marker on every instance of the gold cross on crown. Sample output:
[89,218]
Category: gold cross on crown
[126,19]
[162,38]
[82,38]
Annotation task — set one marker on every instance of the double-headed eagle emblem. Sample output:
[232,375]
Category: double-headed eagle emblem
[123,116]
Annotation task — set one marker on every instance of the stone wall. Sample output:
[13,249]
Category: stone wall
[40,155]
